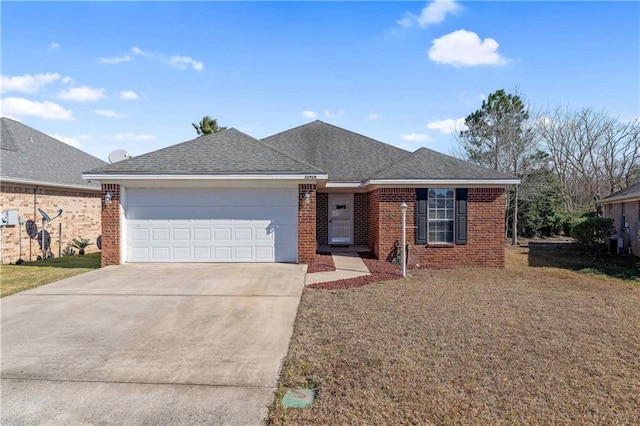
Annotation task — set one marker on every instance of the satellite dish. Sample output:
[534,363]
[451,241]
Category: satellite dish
[119,155]
[32,228]
[45,216]
[99,242]
[47,240]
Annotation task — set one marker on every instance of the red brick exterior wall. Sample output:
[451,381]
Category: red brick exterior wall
[111,226]
[485,245]
[80,218]
[360,234]
[306,224]
[322,218]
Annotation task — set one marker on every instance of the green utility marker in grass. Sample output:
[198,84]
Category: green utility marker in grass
[298,398]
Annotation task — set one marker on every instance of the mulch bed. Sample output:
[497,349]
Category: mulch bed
[323,263]
[380,271]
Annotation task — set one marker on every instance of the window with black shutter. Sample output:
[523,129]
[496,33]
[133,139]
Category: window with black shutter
[441,216]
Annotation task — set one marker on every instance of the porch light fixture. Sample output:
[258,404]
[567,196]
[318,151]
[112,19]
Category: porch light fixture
[403,209]
[107,197]
[307,198]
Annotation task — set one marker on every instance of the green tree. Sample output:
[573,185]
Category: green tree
[207,126]
[500,136]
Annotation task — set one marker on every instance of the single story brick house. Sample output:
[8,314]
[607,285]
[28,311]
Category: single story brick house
[228,197]
[38,171]
[624,208]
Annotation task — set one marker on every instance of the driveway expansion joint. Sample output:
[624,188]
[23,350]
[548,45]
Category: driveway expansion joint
[119,382]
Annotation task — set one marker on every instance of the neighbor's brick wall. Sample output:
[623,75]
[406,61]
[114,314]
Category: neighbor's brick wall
[80,218]
[111,226]
[360,235]
[485,246]
[632,217]
[306,224]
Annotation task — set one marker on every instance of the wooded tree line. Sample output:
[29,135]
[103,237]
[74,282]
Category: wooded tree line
[566,159]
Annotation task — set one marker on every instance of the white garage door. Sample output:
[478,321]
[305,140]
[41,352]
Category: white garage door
[240,225]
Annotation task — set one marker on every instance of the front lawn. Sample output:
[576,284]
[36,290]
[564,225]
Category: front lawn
[520,345]
[16,278]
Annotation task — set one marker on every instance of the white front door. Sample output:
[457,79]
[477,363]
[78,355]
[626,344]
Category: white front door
[340,218]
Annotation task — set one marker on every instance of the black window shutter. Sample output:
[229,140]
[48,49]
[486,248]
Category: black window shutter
[461,215]
[421,216]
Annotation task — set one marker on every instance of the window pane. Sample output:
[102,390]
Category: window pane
[440,213]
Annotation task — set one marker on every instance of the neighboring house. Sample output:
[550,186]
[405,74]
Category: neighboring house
[228,197]
[38,171]
[624,208]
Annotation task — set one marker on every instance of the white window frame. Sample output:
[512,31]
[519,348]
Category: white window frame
[451,220]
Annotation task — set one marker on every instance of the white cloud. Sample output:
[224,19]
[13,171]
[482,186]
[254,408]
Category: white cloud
[464,48]
[27,83]
[67,80]
[330,114]
[129,95]
[108,113]
[115,59]
[433,13]
[47,110]
[309,114]
[447,126]
[416,137]
[134,137]
[69,141]
[82,94]
[182,62]
[139,51]
[54,46]
[374,116]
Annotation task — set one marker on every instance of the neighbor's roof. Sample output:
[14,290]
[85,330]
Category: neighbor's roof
[29,156]
[432,165]
[345,155]
[628,193]
[227,152]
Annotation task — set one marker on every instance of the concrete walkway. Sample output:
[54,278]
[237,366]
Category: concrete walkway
[348,265]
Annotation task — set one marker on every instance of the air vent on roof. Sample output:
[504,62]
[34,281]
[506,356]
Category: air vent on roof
[119,155]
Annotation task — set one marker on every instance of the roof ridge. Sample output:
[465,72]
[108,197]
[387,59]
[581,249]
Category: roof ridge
[11,145]
[290,156]
[339,128]
[15,122]
[410,154]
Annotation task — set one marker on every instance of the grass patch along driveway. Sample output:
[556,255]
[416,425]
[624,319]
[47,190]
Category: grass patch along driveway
[17,278]
[521,345]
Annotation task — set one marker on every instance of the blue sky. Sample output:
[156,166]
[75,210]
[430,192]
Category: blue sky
[135,75]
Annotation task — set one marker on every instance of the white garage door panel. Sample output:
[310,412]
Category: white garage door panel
[211,225]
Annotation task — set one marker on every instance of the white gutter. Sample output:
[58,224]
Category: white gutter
[344,185]
[50,184]
[117,177]
[455,182]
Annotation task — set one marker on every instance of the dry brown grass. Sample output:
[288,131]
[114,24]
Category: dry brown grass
[522,345]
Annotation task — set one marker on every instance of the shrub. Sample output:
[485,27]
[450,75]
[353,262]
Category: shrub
[68,251]
[81,243]
[592,232]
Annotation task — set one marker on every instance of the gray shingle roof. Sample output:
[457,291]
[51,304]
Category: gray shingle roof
[29,155]
[226,152]
[345,155]
[629,191]
[429,164]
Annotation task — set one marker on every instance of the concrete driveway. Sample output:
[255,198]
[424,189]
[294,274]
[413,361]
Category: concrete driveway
[149,344]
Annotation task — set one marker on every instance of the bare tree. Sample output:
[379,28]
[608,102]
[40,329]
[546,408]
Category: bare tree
[591,153]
